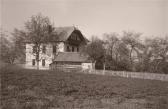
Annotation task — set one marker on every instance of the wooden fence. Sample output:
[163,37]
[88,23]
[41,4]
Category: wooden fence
[140,75]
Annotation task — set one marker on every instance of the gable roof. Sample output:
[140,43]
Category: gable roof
[63,33]
[71,57]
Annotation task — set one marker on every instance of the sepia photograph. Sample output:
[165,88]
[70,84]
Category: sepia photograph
[84,54]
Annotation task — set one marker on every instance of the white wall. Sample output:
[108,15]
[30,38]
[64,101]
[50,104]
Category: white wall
[86,66]
[48,56]
[61,47]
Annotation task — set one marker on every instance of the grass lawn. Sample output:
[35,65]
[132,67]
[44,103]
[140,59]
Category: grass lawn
[32,89]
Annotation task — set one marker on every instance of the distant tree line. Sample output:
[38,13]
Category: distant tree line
[11,47]
[127,51]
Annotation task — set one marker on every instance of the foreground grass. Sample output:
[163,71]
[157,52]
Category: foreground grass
[32,89]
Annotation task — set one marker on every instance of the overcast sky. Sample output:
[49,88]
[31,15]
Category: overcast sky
[92,17]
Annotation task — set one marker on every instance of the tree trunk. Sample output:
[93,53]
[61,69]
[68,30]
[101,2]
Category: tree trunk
[104,67]
[94,64]
[38,56]
[116,58]
[130,56]
[131,62]
[37,64]
[111,53]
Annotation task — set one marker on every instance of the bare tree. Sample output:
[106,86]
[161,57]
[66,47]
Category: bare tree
[158,47]
[38,30]
[132,40]
[8,52]
[117,52]
[111,41]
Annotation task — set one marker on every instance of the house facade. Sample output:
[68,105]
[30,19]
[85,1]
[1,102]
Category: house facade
[64,51]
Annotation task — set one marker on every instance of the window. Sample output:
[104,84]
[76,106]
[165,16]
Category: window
[34,49]
[54,49]
[73,37]
[33,62]
[72,49]
[77,49]
[78,38]
[68,48]
[43,62]
[44,49]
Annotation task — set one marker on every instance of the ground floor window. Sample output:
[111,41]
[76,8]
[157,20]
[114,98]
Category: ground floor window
[68,49]
[43,62]
[72,49]
[77,49]
[33,62]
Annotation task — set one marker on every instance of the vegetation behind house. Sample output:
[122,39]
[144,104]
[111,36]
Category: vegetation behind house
[120,52]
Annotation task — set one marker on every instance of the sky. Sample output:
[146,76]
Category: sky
[92,17]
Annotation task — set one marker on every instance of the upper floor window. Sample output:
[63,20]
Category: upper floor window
[34,49]
[44,49]
[74,37]
[54,49]
[77,38]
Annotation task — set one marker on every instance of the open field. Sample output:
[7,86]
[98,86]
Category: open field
[32,89]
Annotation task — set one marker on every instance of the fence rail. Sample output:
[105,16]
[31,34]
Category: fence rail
[140,75]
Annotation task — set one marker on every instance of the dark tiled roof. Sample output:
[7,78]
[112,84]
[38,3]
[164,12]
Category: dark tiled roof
[63,33]
[71,57]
